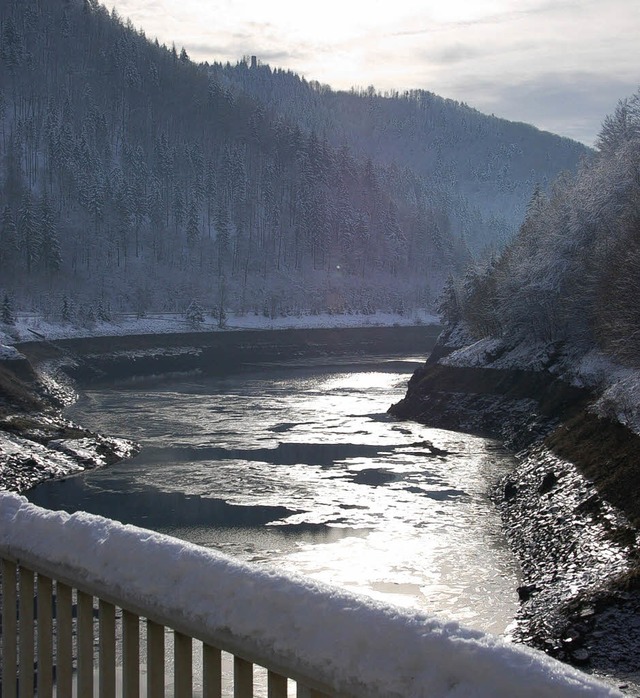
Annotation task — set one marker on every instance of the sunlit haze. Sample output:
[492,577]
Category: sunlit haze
[559,65]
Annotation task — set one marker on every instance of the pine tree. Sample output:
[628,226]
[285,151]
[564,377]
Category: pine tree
[8,318]
[28,232]
[8,240]
[93,200]
[223,237]
[102,312]
[12,50]
[221,313]
[193,220]
[66,309]
[210,191]
[448,303]
[178,210]
[3,114]
[49,253]
[195,314]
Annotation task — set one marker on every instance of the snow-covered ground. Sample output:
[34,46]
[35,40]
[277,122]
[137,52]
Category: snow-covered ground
[365,647]
[30,327]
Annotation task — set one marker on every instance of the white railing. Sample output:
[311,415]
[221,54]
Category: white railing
[60,654]
[61,650]
[60,571]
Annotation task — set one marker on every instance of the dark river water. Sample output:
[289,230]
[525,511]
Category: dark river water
[298,465]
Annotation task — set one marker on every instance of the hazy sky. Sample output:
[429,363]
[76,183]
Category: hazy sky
[561,65]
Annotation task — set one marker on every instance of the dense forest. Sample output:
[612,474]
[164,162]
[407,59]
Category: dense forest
[133,179]
[571,276]
[484,167]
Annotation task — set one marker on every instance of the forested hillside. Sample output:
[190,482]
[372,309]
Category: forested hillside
[570,279]
[484,167]
[133,179]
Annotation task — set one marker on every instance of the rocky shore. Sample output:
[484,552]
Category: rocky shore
[579,597]
[36,442]
[570,508]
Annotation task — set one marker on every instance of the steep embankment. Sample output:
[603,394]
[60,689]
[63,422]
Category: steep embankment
[514,405]
[570,508]
[91,360]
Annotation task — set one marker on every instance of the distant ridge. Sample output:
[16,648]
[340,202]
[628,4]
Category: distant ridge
[136,181]
[493,163]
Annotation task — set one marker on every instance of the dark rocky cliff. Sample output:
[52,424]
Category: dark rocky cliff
[516,406]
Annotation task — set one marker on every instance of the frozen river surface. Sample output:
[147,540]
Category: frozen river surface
[299,466]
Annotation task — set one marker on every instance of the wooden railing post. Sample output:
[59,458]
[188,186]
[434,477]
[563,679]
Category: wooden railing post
[276,685]
[155,660]
[211,672]
[107,650]
[242,678]
[45,637]
[85,644]
[64,639]
[9,629]
[26,686]
[183,665]
[130,655]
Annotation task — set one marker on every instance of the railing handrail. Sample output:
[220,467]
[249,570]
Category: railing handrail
[333,641]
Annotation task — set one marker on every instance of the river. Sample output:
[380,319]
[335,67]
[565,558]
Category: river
[298,465]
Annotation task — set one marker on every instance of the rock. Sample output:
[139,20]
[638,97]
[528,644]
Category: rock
[433,450]
[579,657]
[525,591]
[553,648]
[549,481]
[510,490]
[590,505]
[572,640]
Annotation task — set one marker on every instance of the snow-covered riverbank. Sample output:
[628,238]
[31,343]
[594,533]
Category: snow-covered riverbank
[42,446]
[36,442]
[30,326]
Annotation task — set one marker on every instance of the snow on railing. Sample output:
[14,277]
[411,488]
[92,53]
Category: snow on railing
[329,641]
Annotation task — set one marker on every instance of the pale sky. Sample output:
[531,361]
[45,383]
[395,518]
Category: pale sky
[561,65]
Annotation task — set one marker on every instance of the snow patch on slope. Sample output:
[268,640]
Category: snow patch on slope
[477,354]
[8,353]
